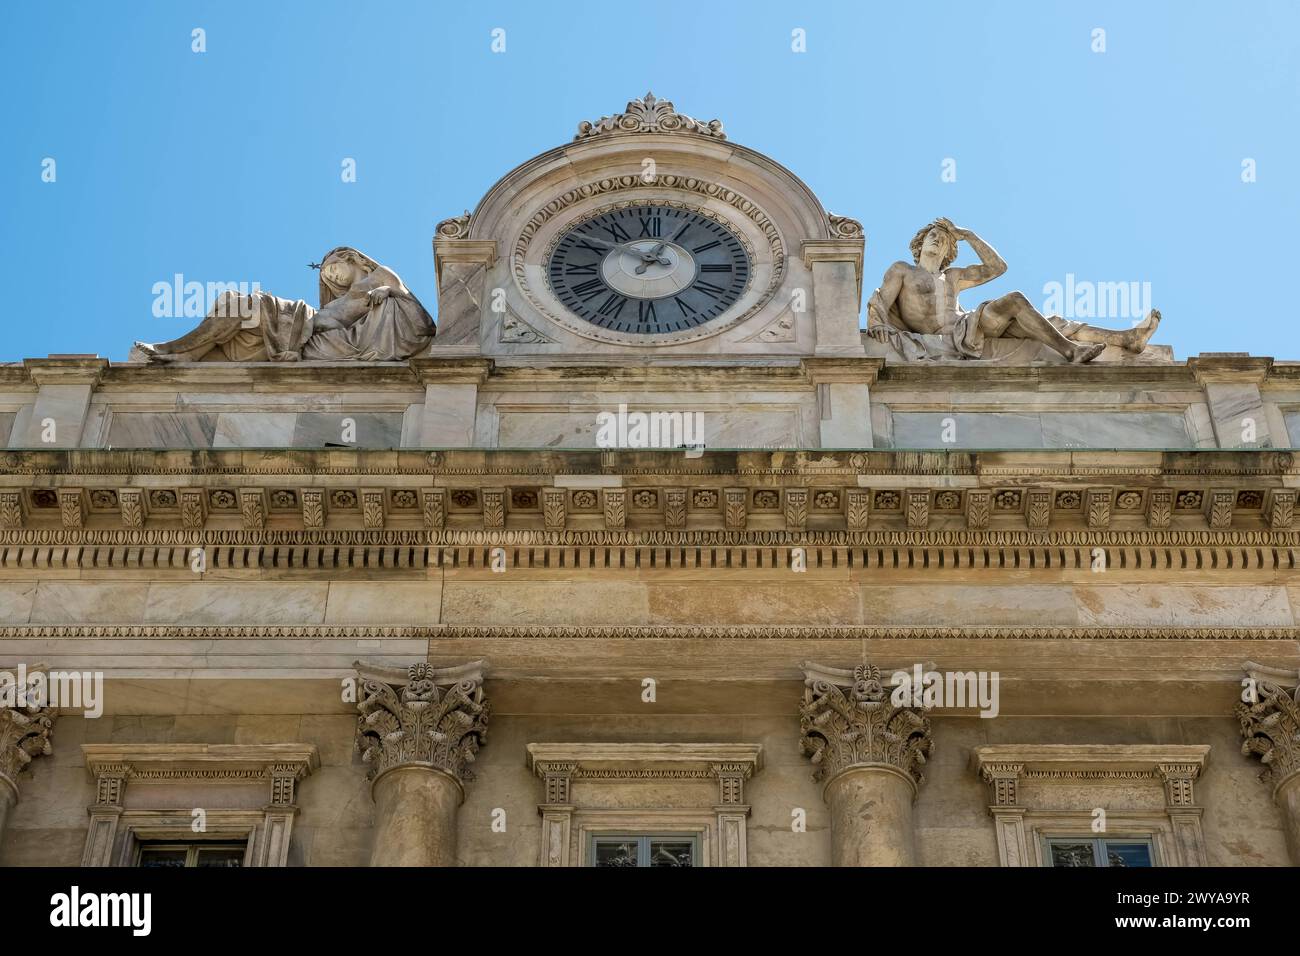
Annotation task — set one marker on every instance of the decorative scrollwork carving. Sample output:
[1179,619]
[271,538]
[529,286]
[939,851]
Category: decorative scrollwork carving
[1271,728]
[649,115]
[847,718]
[432,716]
[25,726]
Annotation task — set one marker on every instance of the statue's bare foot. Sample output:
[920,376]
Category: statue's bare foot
[1141,333]
[1086,353]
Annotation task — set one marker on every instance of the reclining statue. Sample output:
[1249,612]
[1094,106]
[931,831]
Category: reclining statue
[366,314]
[920,299]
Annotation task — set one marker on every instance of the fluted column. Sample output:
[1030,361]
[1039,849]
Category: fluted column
[869,753]
[25,727]
[419,730]
[1270,725]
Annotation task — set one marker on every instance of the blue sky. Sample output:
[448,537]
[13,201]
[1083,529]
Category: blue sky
[225,166]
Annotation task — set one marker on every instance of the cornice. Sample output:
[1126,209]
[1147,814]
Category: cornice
[1064,761]
[165,761]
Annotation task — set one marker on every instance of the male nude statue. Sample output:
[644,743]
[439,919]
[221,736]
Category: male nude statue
[921,299]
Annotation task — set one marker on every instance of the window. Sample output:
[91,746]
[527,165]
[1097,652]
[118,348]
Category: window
[1074,851]
[629,850]
[168,855]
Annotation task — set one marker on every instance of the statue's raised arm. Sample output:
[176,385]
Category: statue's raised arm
[919,300]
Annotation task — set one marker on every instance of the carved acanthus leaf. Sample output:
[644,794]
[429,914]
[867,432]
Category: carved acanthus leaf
[848,718]
[433,716]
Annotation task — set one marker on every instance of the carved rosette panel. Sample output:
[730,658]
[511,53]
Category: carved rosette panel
[435,717]
[847,718]
[24,734]
[1271,728]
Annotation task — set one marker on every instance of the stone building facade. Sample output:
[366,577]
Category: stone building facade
[427,612]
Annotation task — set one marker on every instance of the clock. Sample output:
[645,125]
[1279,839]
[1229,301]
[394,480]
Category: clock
[649,268]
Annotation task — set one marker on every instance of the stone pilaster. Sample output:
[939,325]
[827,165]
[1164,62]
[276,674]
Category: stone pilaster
[732,810]
[1008,815]
[419,730]
[869,752]
[25,728]
[1270,724]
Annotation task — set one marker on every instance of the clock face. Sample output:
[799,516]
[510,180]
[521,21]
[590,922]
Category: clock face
[648,269]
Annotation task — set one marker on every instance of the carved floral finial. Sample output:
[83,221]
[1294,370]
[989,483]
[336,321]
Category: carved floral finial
[649,115]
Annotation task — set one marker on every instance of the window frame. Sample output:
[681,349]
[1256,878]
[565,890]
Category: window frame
[643,839]
[1099,844]
[192,848]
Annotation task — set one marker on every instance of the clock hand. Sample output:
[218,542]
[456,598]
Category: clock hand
[627,247]
[654,255]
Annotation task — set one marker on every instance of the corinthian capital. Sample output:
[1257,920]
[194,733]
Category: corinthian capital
[1270,723]
[25,724]
[847,719]
[425,715]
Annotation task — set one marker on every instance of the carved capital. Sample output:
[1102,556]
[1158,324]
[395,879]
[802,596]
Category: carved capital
[847,719]
[1004,783]
[1178,779]
[558,775]
[26,723]
[1271,727]
[429,716]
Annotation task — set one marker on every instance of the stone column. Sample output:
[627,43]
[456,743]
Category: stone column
[419,730]
[869,753]
[1270,724]
[25,727]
